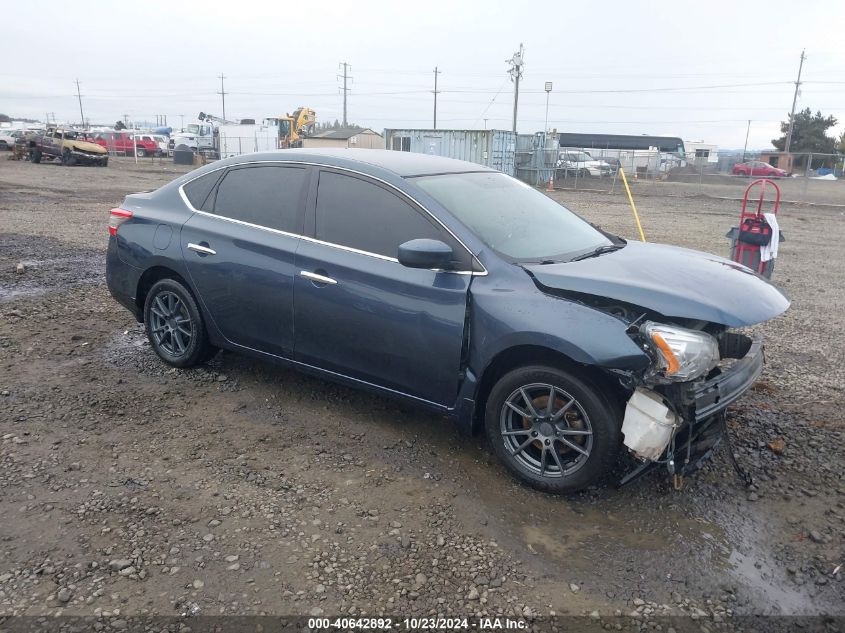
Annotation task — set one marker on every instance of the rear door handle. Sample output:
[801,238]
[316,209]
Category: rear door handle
[204,250]
[320,279]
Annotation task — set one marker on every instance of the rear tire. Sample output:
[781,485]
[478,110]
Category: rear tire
[174,325]
[562,455]
[140,152]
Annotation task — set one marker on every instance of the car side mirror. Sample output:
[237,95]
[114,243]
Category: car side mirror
[425,253]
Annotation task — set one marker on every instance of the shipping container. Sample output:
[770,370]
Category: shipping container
[491,148]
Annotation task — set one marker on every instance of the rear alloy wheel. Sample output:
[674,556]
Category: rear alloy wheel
[552,430]
[174,325]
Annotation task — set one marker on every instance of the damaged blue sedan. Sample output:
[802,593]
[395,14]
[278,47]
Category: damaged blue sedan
[453,287]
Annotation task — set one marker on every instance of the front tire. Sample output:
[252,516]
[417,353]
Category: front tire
[140,152]
[174,325]
[553,431]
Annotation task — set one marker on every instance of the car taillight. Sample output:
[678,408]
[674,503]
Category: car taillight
[116,218]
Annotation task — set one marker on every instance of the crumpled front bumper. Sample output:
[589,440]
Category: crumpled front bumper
[703,405]
[714,395]
[88,157]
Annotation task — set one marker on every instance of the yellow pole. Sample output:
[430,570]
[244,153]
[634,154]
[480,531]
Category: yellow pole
[633,206]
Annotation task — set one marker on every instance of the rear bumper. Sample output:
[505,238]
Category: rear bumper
[122,280]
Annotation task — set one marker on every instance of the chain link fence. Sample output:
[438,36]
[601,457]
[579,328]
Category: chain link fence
[809,178]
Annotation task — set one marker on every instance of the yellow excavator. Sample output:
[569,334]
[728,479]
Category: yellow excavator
[294,127]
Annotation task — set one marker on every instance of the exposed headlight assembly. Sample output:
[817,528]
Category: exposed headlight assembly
[682,354]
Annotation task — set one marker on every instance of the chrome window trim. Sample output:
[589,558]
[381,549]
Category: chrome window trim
[350,249]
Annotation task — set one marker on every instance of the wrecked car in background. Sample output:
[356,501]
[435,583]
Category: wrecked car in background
[456,288]
[67,145]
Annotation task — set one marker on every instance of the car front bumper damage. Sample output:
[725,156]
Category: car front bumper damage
[700,407]
[88,157]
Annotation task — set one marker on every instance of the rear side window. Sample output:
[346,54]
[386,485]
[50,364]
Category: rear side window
[269,196]
[198,189]
[359,214]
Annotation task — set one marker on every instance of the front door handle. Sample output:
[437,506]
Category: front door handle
[202,250]
[320,279]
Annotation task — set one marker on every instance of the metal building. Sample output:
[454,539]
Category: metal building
[491,148]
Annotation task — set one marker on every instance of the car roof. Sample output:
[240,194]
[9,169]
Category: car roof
[404,164]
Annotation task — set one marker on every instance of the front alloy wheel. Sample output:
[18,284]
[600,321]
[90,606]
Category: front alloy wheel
[546,430]
[553,430]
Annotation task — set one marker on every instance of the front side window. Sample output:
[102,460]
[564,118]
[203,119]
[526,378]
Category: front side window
[362,215]
[267,195]
[512,218]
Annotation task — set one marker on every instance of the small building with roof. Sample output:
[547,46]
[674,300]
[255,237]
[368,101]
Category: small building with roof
[363,138]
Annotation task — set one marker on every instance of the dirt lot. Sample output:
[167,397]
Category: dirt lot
[129,488]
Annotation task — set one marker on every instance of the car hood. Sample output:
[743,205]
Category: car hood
[87,146]
[676,282]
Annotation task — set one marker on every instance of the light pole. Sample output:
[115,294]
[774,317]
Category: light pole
[548,88]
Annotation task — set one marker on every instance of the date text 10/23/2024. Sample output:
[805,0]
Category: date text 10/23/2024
[417,624]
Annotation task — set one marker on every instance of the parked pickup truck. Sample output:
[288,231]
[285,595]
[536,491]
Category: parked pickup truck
[68,146]
[127,143]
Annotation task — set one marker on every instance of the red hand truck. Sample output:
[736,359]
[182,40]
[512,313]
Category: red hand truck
[754,230]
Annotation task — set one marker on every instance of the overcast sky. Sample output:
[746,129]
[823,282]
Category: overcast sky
[696,70]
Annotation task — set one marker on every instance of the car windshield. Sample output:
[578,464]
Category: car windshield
[512,218]
[193,128]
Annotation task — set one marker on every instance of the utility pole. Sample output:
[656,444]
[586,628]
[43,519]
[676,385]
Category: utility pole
[79,96]
[436,72]
[515,71]
[744,149]
[222,94]
[182,122]
[794,100]
[346,68]
[485,124]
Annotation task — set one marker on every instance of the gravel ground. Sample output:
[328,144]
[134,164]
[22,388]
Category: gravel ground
[130,488]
